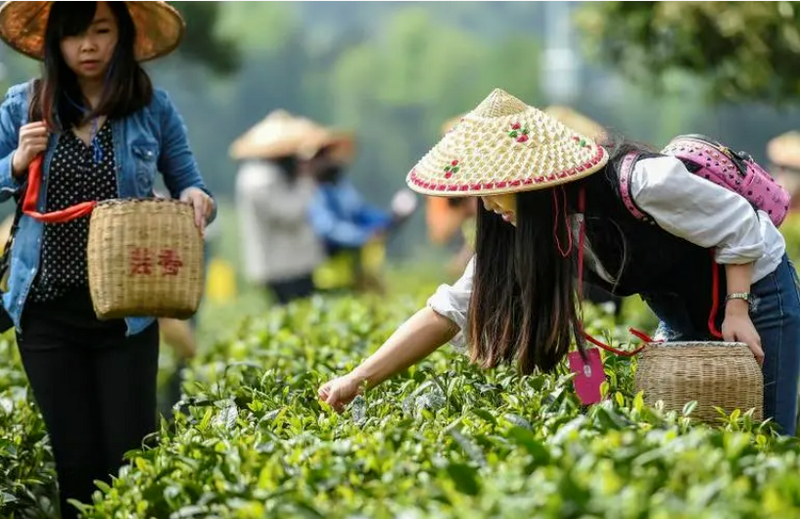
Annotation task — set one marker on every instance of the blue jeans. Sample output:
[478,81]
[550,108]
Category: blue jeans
[775,313]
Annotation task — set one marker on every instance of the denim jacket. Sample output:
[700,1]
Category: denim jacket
[152,139]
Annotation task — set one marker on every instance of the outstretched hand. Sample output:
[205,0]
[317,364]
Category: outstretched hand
[340,391]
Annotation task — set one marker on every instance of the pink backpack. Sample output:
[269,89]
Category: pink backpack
[736,171]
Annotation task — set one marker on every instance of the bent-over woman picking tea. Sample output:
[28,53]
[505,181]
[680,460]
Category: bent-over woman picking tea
[558,207]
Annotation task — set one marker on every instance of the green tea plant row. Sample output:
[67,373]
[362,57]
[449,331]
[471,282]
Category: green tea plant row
[443,439]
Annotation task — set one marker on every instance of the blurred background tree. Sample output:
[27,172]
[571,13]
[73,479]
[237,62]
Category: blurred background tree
[203,42]
[741,51]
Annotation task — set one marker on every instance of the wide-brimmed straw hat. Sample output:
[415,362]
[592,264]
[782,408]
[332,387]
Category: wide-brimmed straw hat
[577,121]
[505,146]
[784,150]
[280,134]
[159,27]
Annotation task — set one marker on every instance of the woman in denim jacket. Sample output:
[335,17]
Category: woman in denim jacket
[104,131]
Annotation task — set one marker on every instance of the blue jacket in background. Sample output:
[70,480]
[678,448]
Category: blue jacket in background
[342,219]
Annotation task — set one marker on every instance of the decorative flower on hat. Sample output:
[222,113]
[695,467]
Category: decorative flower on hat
[519,133]
[452,168]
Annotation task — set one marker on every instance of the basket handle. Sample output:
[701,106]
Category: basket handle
[32,196]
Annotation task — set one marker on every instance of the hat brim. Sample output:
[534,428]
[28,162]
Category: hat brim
[501,187]
[159,27]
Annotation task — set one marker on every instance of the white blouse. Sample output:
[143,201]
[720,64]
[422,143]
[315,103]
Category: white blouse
[680,202]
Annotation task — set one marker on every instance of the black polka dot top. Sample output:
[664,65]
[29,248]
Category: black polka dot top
[73,177]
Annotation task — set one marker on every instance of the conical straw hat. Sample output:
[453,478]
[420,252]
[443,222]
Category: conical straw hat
[784,150]
[505,146]
[280,134]
[577,121]
[159,27]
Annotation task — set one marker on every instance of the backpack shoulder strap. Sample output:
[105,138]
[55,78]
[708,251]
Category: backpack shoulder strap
[625,175]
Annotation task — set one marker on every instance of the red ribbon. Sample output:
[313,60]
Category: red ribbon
[32,196]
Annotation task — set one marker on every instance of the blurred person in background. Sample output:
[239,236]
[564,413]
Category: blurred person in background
[783,153]
[352,231]
[451,222]
[274,193]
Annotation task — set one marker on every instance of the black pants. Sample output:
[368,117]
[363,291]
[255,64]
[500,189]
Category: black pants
[95,387]
[296,288]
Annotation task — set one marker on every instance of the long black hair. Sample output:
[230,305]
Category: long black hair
[524,306]
[56,94]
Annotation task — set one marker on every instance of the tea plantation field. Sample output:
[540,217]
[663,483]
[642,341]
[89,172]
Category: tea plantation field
[443,440]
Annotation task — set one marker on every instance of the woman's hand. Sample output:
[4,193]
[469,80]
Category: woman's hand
[737,327]
[339,392]
[202,203]
[414,340]
[32,141]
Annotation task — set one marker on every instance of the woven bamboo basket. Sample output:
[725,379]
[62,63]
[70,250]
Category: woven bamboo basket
[720,374]
[145,258]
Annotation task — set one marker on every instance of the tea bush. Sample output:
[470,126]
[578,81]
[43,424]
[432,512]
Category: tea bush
[443,439]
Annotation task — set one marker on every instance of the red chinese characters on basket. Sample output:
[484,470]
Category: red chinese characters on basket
[170,262]
[142,262]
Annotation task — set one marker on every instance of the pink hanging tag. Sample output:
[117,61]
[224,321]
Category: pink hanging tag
[589,376]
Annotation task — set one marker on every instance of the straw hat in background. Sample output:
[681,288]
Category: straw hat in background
[783,153]
[159,27]
[280,134]
[577,121]
[505,146]
[784,150]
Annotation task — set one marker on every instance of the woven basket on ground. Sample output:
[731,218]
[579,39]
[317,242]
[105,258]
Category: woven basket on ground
[720,374]
[145,259]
